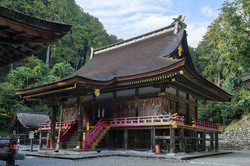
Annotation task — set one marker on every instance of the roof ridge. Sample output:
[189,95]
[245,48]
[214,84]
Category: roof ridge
[173,27]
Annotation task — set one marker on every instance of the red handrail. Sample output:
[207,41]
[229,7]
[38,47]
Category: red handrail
[199,123]
[64,135]
[47,126]
[95,131]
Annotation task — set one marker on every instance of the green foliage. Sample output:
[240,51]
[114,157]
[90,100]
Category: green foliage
[86,31]
[33,73]
[224,56]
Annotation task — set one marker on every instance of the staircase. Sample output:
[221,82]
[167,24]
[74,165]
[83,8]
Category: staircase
[96,134]
[69,131]
[72,141]
[99,138]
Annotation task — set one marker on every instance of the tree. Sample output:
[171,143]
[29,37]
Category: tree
[224,56]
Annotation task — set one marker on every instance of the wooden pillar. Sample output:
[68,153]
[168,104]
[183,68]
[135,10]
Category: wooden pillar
[216,141]
[40,140]
[58,145]
[136,102]
[172,140]
[114,105]
[125,138]
[196,110]
[212,141]
[177,103]
[53,124]
[93,108]
[195,141]
[182,140]
[152,139]
[204,140]
[80,100]
[187,109]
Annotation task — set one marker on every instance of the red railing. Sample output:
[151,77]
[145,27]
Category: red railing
[47,126]
[128,121]
[95,131]
[64,135]
[199,123]
[144,120]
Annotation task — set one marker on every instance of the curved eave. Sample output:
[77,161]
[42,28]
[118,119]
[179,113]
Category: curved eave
[80,82]
[37,23]
[195,84]
[22,35]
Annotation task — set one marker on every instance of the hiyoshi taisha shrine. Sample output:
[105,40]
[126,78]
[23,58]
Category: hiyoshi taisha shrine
[134,94]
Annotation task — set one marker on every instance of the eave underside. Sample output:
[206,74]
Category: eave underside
[178,78]
[22,35]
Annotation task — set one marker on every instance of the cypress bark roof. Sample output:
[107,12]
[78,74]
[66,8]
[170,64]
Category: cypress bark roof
[31,119]
[137,58]
[22,35]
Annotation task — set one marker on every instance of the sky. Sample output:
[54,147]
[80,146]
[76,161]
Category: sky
[130,18]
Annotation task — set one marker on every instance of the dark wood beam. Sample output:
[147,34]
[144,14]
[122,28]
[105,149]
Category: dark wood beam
[125,138]
[53,123]
[216,141]
[136,102]
[182,140]
[204,140]
[187,110]
[212,141]
[5,59]
[3,28]
[172,140]
[114,105]
[152,138]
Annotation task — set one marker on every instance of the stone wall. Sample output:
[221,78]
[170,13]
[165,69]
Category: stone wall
[235,139]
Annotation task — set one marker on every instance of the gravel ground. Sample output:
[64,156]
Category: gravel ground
[236,159]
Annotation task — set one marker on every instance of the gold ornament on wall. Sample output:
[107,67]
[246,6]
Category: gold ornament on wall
[97,92]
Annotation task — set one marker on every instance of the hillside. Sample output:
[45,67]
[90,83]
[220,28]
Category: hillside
[68,55]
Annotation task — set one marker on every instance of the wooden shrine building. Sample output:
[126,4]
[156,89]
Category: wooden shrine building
[26,121]
[22,35]
[134,94]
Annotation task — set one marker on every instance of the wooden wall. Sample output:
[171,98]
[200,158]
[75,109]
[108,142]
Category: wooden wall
[118,105]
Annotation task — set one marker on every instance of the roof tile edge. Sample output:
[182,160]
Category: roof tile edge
[173,27]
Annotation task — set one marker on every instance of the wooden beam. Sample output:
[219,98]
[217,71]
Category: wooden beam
[80,102]
[93,107]
[216,141]
[162,137]
[177,102]
[187,110]
[152,139]
[136,102]
[114,105]
[204,140]
[125,138]
[5,60]
[212,141]
[195,141]
[53,123]
[182,140]
[172,140]
[196,110]
[3,28]
[40,140]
